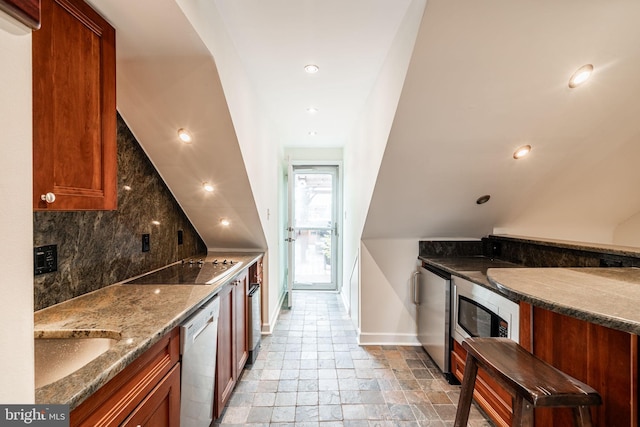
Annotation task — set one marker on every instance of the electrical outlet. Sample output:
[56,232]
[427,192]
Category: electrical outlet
[146,243]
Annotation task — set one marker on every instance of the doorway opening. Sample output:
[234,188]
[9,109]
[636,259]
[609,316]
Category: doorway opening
[313,229]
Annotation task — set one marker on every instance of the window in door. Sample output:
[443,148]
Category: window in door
[313,227]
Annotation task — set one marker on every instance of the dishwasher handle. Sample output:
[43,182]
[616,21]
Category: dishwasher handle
[205,317]
[414,283]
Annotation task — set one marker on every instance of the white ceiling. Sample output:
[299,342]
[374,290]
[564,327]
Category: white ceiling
[486,76]
[167,79]
[348,40]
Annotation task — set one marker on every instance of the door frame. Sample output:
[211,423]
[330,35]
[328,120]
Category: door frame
[339,216]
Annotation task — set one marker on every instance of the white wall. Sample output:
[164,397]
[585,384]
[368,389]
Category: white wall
[595,200]
[387,309]
[16,216]
[262,161]
[365,148]
[628,232]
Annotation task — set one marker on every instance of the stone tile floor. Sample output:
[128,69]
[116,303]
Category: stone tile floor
[312,373]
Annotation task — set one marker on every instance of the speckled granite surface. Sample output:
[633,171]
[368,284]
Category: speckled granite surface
[605,296]
[473,269]
[140,314]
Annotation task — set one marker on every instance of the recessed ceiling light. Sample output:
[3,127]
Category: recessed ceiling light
[311,68]
[184,135]
[126,187]
[483,199]
[155,222]
[522,151]
[207,187]
[581,75]
[313,133]
[312,110]
[224,222]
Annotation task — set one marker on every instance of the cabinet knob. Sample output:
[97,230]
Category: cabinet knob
[49,197]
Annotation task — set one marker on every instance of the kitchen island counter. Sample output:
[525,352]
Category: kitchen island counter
[140,314]
[605,296]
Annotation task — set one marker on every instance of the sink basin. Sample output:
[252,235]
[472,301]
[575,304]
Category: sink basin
[60,353]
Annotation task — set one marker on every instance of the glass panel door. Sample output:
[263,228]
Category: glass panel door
[314,227]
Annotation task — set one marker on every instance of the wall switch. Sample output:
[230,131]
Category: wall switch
[179,237]
[146,243]
[45,259]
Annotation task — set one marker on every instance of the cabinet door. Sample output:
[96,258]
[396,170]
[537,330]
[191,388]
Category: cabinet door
[241,333]
[225,358]
[161,408]
[74,109]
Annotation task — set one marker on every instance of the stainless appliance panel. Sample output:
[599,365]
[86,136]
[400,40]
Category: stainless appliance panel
[198,342]
[254,322]
[474,304]
[433,300]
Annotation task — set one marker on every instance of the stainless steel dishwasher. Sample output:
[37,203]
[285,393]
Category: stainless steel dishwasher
[198,341]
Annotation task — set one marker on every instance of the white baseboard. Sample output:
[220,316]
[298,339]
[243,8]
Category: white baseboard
[368,338]
[267,328]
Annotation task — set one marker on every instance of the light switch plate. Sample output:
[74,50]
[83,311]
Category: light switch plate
[45,259]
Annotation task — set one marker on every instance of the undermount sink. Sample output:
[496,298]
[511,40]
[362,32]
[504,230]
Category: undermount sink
[60,353]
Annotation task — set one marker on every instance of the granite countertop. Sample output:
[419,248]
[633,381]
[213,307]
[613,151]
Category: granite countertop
[472,268]
[604,296]
[139,314]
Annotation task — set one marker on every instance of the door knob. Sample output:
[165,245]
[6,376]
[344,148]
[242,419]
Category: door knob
[49,197]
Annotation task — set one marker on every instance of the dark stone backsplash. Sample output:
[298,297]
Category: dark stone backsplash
[529,252]
[450,248]
[99,248]
[544,254]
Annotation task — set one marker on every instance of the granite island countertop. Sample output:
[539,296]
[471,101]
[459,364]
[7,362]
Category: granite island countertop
[604,296]
[472,268]
[140,314]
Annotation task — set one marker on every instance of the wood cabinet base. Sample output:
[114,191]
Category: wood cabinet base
[147,389]
[491,397]
[604,358]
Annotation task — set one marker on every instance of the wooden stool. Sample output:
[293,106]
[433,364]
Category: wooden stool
[531,381]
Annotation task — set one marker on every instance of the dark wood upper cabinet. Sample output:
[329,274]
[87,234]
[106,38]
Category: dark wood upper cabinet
[74,109]
[25,11]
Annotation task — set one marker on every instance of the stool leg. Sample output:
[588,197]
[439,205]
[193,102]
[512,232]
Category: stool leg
[466,392]
[582,416]
[522,413]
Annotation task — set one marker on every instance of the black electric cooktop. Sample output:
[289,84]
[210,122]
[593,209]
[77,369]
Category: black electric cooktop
[188,273]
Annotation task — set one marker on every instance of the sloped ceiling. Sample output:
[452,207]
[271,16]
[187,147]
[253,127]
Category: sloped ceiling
[485,77]
[489,76]
[166,80]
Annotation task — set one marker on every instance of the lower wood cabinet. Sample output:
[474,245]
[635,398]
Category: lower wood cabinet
[161,408]
[604,358]
[233,340]
[147,392]
[491,397]
[225,361]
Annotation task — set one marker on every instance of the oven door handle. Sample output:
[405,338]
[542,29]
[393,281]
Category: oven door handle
[414,282]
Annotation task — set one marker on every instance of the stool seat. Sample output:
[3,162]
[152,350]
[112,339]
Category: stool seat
[527,377]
